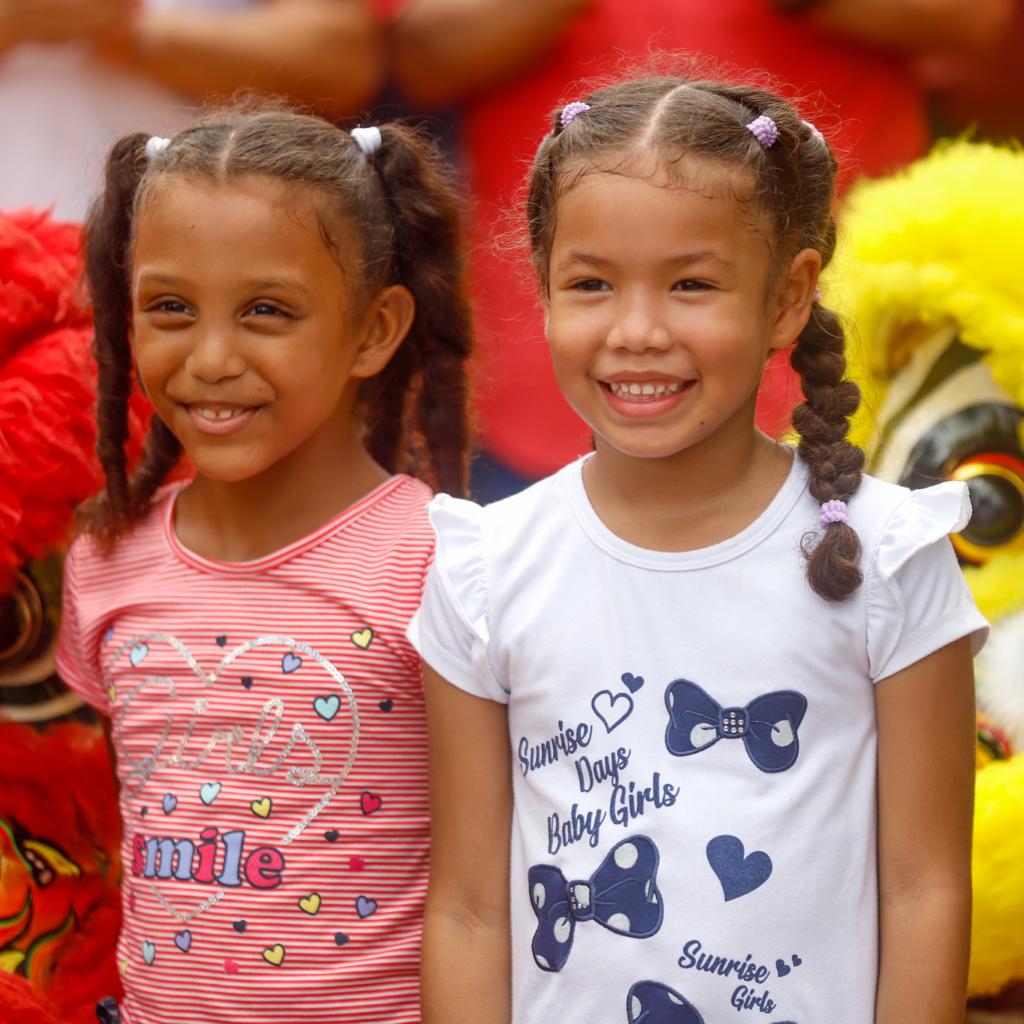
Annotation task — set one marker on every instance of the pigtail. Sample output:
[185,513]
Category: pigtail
[108,235]
[835,464]
[421,397]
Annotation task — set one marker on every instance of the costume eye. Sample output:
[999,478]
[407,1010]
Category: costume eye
[996,484]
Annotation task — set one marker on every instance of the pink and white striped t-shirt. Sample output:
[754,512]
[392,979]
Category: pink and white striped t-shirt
[271,750]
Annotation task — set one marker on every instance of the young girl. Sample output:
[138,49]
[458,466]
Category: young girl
[291,297]
[699,642]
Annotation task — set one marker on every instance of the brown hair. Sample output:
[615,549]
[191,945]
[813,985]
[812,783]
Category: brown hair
[794,185]
[409,221]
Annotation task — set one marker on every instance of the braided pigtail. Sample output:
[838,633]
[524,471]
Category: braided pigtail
[417,404]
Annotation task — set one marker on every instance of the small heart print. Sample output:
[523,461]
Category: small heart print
[365,906]
[131,902]
[386,705]
[290,662]
[796,960]
[143,811]
[108,635]
[148,952]
[208,792]
[221,640]
[782,968]
[327,707]
[331,835]
[633,683]
[311,903]
[356,863]
[369,802]
[183,940]
[274,954]
[170,802]
[230,967]
[239,926]
[340,938]
[247,682]
[122,966]
[612,709]
[261,808]
[138,653]
[363,638]
[112,693]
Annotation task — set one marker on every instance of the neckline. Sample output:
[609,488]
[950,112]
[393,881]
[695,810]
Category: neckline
[732,547]
[274,558]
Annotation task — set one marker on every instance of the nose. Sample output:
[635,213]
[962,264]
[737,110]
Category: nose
[214,356]
[639,326]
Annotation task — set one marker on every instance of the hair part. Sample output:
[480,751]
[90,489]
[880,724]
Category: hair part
[793,187]
[408,220]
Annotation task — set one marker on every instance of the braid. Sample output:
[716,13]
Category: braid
[420,398]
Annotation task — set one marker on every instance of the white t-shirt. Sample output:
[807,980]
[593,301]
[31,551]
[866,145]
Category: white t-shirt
[693,744]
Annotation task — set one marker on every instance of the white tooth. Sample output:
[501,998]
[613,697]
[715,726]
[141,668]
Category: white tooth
[648,389]
[635,389]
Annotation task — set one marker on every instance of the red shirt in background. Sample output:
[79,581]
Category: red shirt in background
[866,104]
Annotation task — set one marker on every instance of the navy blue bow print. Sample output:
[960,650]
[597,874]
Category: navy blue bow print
[622,895]
[650,1002]
[767,725]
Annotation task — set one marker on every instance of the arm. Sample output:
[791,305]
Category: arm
[323,53]
[913,26]
[466,942]
[925,800]
[444,50]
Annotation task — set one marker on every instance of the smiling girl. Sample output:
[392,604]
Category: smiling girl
[710,652]
[290,296]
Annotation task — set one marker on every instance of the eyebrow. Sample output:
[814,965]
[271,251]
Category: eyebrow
[254,284]
[682,260]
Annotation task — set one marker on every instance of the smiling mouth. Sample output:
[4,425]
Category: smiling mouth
[217,413]
[645,390]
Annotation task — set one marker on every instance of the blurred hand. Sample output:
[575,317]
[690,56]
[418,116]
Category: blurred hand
[60,21]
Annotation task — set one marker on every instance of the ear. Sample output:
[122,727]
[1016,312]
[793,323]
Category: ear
[793,298]
[387,323]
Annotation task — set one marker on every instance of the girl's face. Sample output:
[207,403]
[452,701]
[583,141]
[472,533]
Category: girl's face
[247,334]
[662,307]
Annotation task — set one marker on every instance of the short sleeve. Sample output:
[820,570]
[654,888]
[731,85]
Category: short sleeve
[76,666]
[917,598]
[451,630]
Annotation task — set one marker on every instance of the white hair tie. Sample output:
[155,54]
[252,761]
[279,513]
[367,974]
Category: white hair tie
[369,140]
[156,145]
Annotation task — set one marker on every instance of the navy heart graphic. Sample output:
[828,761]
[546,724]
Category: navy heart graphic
[782,968]
[365,906]
[633,683]
[612,709]
[222,640]
[386,705]
[239,926]
[739,875]
[796,960]
[331,835]
[247,682]
[340,938]
[143,811]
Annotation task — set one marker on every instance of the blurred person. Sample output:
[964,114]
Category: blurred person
[507,63]
[76,74]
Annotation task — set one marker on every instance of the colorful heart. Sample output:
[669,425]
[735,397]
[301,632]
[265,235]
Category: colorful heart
[183,940]
[365,906]
[112,693]
[208,792]
[261,808]
[386,705]
[633,683]
[327,707]
[290,662]
[311,903]
[230,967]
[274,954]
[138,654]
[781,968]
[148,952]
[613,710]
[247,682]
[239,926]
[222,640]
[363,638]
[170,802]
[369,802]
[340,938]
[739,875]
[356,863]
[331,835]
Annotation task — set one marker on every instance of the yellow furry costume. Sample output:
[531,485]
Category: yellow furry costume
[930,278]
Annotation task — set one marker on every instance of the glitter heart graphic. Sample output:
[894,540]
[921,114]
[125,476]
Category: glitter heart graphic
[365,906]
[262,807]
[370,803]
[291,662]
[311,903]
[363,638]
[183,940]
[169,803]
[327,707]
[274,954]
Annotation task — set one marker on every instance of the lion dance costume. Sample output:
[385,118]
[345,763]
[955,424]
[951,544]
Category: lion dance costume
[929,277]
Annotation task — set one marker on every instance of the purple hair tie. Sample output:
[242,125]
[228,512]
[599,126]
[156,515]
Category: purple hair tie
[833,511]
[571,111]
[765,130]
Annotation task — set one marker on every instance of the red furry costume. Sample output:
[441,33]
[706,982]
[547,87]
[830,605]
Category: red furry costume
[59,830]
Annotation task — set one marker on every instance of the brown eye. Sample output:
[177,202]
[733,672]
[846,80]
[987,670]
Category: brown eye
[996,485]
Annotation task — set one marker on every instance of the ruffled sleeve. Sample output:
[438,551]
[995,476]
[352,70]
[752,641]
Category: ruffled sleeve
[450,630]
[76,664]
[917,598]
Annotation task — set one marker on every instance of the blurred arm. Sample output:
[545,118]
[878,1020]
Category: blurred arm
[444,50]
[327,54]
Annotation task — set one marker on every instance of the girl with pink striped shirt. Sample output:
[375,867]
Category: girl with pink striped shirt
[290,296]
